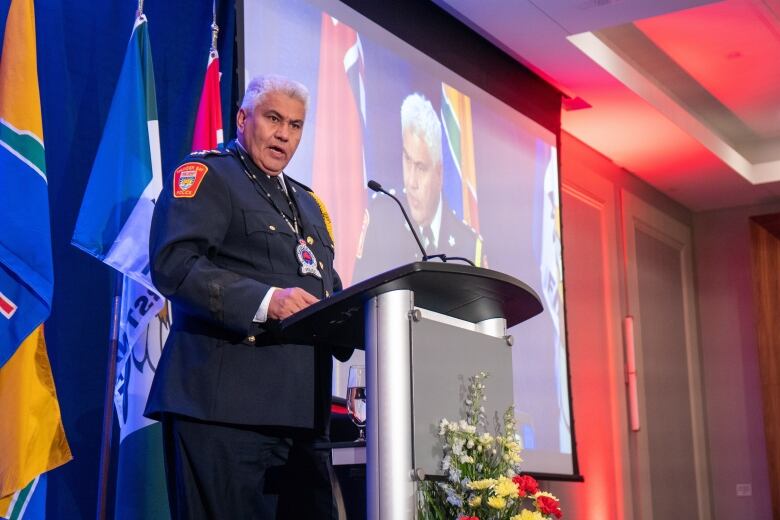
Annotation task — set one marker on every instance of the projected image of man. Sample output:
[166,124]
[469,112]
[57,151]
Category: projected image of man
[387,241]
[422,165]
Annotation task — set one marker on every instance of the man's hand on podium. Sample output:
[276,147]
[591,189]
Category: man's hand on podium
[286,302]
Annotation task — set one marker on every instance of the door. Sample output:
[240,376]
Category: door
[668,452]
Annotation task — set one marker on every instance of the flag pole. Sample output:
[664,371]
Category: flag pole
[108,404]
[214,28]
[108,399]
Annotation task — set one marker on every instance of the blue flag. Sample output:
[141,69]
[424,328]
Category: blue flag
[116,212]
[113,226]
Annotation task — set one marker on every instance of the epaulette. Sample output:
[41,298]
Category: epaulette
[206,153]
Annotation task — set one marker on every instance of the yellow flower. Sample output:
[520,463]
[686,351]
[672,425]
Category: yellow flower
[505,488]
[482,484]
[496,502]
[527,514]
[475,501]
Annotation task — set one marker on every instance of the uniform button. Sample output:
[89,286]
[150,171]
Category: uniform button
[272,227]
[322,266]
[309,240]
[327,294]
[250,339]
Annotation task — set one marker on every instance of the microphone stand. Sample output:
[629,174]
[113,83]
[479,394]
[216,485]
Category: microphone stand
[375,186]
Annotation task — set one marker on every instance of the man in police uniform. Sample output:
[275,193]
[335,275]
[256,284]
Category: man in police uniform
[386,241]
[236,245]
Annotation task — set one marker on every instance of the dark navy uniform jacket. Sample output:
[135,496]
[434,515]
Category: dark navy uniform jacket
[215,255]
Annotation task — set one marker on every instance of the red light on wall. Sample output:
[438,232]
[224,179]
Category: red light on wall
[633,400]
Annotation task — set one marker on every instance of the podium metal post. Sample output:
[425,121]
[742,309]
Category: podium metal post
[390,493]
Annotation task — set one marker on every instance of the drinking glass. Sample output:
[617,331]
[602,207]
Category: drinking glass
[356,398]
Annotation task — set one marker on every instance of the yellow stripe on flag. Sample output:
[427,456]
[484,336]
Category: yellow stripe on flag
[19,95]
[32,439]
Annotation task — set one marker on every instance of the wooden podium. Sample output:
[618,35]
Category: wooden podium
[425,327]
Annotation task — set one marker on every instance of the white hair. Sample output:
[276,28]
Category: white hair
[419,118]
[260,86]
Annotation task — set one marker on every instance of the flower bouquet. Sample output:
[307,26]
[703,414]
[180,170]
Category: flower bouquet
[483,480]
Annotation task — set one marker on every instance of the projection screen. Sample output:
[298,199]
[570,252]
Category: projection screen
[481,177]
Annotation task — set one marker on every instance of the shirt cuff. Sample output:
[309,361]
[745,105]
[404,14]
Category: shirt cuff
[261,316]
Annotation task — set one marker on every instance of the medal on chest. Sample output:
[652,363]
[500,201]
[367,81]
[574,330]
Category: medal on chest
[306,260]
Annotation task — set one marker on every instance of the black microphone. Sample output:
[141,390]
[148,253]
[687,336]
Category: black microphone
[375,186]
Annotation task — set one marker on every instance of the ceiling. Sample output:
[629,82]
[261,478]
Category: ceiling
[684,94]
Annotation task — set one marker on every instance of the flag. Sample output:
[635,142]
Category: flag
[113,225]
[339,177]
[32,439]
[140,474]
[140,489]
[116,212]
[208,123]
[29,502]
[460,181]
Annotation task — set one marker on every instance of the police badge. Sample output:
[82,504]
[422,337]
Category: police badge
[307,260]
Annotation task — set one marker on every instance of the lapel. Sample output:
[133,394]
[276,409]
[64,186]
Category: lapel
[295,193]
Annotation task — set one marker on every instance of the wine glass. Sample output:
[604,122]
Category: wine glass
[356,398]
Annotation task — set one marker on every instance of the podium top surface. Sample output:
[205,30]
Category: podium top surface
[462,291]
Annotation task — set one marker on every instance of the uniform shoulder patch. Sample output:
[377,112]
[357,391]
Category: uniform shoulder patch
[187,179]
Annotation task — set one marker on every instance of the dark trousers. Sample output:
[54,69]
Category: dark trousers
[221,471]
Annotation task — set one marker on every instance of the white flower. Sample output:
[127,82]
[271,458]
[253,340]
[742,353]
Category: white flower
[466,459]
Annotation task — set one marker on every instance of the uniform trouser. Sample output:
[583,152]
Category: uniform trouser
[221,471]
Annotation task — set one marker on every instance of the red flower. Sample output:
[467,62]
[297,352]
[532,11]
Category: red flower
[468,518]
[548,506]
[526,485]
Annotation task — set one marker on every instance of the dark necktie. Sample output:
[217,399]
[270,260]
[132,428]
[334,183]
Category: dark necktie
[281,194]
[274,188]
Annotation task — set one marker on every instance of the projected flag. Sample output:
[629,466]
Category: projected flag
[339,162]
[32,439]
[460,184]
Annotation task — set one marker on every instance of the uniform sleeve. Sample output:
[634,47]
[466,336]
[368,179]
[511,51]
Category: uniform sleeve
[186,234]
[340,353]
